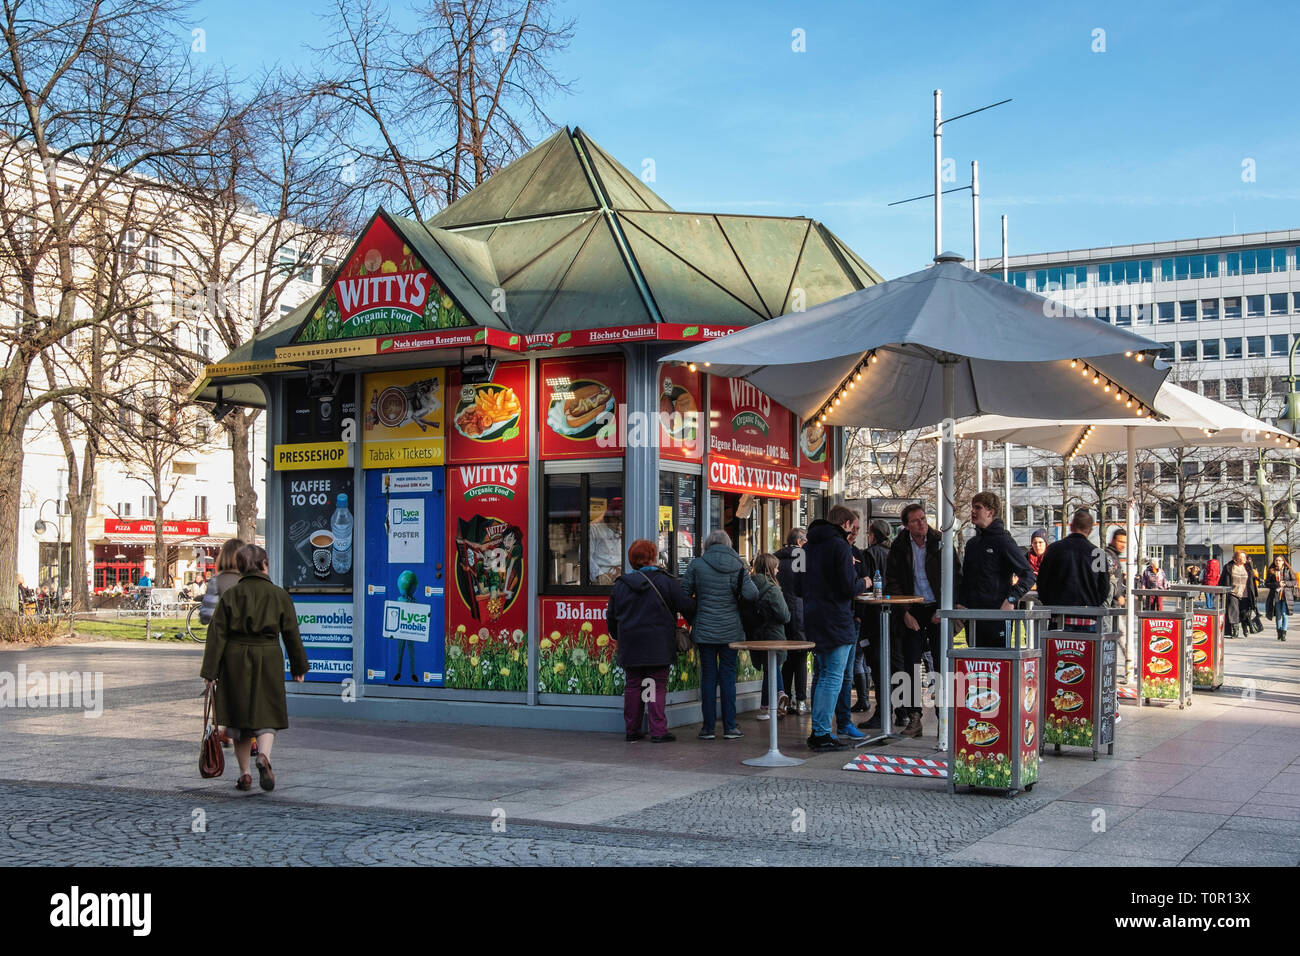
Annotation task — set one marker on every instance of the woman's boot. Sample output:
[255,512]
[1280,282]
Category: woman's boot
[860,685]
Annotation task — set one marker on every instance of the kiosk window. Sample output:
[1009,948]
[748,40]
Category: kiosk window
[679,497]
[584,530]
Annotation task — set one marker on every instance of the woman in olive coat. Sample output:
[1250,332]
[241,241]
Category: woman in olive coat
[242,658]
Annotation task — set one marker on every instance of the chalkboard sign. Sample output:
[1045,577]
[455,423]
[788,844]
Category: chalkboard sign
[317,547]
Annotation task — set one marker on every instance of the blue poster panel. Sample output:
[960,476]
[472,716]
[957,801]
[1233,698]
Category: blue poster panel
[404,577]
[327,628]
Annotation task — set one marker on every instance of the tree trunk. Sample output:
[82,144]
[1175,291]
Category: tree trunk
[245,496]
[11,481]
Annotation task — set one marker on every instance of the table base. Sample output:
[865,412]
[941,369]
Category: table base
[773,758]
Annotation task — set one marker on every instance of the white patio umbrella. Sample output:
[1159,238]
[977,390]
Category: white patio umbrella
[1185,420]
[927,348]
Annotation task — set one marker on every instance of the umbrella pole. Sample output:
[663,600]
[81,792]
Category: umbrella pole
[946,528]
[1130,506]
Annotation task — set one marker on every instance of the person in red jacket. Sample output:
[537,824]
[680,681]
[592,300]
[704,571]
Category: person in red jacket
[1211,579]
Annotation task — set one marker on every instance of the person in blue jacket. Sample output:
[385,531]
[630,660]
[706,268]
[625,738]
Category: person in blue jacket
[831,581]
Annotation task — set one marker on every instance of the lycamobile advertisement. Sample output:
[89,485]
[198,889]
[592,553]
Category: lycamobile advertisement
[383,289]
[326,627]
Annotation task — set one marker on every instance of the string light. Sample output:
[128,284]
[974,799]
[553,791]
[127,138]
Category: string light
[850,381]
[692,367]
[1109,386]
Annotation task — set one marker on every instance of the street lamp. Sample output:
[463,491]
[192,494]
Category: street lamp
[41,526]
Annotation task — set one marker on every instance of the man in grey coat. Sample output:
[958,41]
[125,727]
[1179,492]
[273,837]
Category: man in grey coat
[716,580]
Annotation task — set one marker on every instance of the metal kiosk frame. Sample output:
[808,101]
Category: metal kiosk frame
[1102,666]
[1183,646]
[1022,682]
[1220,615]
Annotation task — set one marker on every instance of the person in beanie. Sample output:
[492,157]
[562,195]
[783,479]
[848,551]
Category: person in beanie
[1037,548]
[642,619]
[1074,573]
[794,673]
[830,584]
[716,581]
[992,559]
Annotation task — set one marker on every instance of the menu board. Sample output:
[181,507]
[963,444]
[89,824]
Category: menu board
[985,722]
[1109,695]
[489,421]
[680,417]
[1069,705]
[1161,656]
[487,602]
[687,520]
[1027,725]
[383,288]
[580,405]
[745,425]
[1207,649]
[315,558]
[403,419]
[575,654]
[815,451]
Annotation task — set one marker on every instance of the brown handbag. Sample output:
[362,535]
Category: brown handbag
[212,762]
[682,639]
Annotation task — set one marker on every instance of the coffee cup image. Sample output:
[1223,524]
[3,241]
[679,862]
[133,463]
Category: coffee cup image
[322,553]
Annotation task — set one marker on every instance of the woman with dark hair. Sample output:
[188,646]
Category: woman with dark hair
[1282,593]
[642,620]
[242,659]
[774,615]
[1242,595]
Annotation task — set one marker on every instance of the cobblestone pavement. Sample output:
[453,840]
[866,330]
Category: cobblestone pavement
[97,826]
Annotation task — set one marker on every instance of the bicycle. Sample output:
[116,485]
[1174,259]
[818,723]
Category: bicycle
[195,630]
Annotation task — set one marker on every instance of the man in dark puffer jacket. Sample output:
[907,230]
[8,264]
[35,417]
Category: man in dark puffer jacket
[1074,572]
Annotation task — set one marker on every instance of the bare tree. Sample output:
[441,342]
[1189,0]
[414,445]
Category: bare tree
[479,71]
[92,96]
[894,464]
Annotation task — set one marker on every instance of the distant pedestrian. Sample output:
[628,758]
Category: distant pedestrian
[1242,595]
[243,659]
[830,585]
[1282,593]
[1037,548]
[642,620]
[1212,576]
[1074,573]
[991,561]
[717,581]
[794,673]
[774,615]
[1153,579]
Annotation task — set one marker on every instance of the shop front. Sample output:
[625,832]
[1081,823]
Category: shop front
[458,489]
[124,550]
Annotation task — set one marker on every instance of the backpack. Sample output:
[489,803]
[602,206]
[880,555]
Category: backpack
[752,616]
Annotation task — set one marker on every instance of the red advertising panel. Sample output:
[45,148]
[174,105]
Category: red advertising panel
[489,421]
[765,481]
[382,289]
[746,425]
[575,654]
[1161,647]
[815,452]
[985,722]
[680,400]
[1028,729]
[579,407]
[1071,672]
[1207,649]
[146,526]
[487,581]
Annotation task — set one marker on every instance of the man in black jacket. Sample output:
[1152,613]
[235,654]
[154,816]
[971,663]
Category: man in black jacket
[830,584]
[992,557]
[1074,572]
[914,567]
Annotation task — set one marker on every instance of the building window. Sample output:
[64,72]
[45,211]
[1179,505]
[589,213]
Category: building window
[1236,471]
[1020,515]
[1103,311]
[1149,514]
[1295,302]
[1209,309]
[231,516]
[1210,387]
[1254,346]
[1279,260]
[1055,475]
[1257,385]
[1210,350]
[201,507]
[151,254]
[1277,303]
[584,530]
[1187,311]
[1280,387]
[201,432]
[1231,389]
[1187,351]
[1254,306]
[285,310]
[1165,311]
[327,267]
[1168,472]
[148,506]
[1280,471]
[1020,477]
[1232,307]
[125,417]
[1211,471]
[308,273]
[1234,514]
[123,509]
[1278,344]
[1166,270]
[1124,315]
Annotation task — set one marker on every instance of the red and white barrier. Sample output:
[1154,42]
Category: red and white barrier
[907,766]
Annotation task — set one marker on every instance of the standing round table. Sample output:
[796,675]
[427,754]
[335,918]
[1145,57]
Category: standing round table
[773,757]
[886,685]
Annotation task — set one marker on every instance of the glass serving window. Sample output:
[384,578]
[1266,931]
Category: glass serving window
[584,530]
[679,529]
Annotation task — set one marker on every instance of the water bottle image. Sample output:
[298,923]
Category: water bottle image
[877,583]
[341,526]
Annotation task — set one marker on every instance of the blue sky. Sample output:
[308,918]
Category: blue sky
[1142,142]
